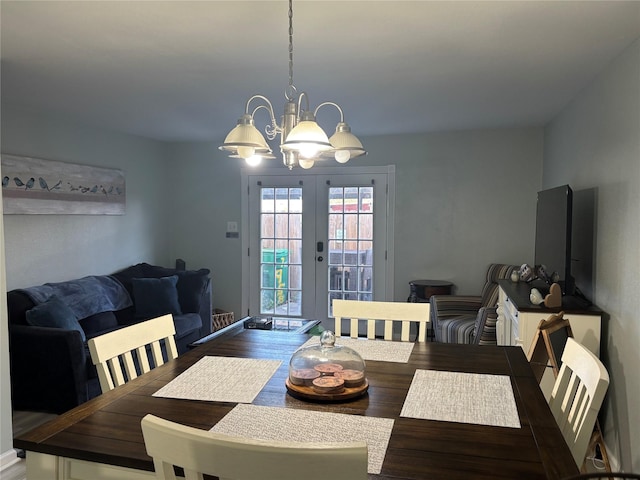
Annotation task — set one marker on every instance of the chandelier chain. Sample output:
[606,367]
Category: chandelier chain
[291,43]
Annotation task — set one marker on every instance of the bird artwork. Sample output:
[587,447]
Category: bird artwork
[32,185]
[20,183]
[45,186]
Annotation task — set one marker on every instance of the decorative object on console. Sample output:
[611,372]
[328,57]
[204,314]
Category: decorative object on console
[302,141]
[515,276]
[536,297]
[526,273]
[38,186]
[554,297]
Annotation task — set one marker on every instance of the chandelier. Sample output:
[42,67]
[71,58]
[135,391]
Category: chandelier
[302,141]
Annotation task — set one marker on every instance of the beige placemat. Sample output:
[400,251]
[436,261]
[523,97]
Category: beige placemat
[462,397]
[292,425]
[376,350]
[221,379]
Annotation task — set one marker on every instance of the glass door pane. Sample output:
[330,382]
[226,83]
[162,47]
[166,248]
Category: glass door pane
[281,251]
[350,231]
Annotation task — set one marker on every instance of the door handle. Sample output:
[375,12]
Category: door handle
[319,247]
[320,258]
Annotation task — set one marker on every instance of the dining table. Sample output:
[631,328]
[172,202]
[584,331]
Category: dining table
[476,412]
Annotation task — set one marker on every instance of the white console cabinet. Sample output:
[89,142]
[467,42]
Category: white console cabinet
[518,321]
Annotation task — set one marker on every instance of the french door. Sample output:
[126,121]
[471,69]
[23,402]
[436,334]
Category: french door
[313,237]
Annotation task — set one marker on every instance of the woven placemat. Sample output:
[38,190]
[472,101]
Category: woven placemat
[303,426]
[376,350]
[221,379]
[462,397]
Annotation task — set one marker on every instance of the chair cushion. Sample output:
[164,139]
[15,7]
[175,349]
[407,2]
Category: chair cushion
[153,297]
[54,313]
[457,329]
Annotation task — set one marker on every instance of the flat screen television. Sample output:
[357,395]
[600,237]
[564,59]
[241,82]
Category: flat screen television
[553,234]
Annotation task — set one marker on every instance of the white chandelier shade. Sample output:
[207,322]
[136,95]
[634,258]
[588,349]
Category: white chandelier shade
[245,140]
[345,144]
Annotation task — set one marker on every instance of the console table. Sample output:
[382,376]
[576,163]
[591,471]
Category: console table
[518,321]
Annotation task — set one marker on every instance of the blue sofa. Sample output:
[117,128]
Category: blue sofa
[51,368]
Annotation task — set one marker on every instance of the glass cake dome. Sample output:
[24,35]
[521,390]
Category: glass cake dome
[327,368]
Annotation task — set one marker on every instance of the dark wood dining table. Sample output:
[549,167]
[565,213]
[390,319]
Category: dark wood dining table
[106,430]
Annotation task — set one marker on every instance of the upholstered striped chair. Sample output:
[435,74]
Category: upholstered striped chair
[469,318]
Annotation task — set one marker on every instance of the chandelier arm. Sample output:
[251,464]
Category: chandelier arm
[268,105]
[306,101]
[315,112]
[271,129]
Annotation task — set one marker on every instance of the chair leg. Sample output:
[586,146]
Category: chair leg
[597,440]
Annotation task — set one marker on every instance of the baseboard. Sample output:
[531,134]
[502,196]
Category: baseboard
[8,458]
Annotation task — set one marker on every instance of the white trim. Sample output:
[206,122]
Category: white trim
[8,458]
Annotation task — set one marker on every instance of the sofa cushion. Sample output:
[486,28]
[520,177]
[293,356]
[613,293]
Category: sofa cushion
[156,296]
[191,283]
[98,323]
[191,286]
[186,324]
[54,313]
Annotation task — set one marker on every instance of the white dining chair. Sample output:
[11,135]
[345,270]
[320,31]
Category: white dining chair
[387,312]
[577,395]
[201,452]
[112,353]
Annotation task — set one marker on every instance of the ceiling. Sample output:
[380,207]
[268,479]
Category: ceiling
[183,70]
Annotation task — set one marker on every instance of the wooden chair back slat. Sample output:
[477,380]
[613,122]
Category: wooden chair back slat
[389,312]
[111,353]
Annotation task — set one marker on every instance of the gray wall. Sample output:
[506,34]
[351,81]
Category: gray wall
[595,144]
[463,200]
[45,248]
[209,195]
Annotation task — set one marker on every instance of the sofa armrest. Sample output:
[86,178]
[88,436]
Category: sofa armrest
[206,310]
[484,332]
[48,368]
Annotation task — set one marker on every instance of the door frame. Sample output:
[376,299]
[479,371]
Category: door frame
[246,172]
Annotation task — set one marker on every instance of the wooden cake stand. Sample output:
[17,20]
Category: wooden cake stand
[305,392]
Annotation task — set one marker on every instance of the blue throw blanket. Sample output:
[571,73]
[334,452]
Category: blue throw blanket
[85,296]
